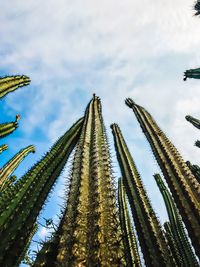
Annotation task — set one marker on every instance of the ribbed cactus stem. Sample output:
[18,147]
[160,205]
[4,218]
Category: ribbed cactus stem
[9,182]
[197,8]
[195,169]
[129,238]
[89,232]
[11,83]
[182,183]
[19,213]
[177,227]
[148,228]
[3,148]
[11,166]
[9,127]
[192,73]
[197,143]
[195,122]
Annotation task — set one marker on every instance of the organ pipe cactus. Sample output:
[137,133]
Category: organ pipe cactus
[11,166]
[194,121]
[192,73]
[3,147]
[9,127]
[182,183]
[19,213]
[195,170]
[89,233]
[129,239]
[150,235]
[177,227]
[197,143]
[11,83]
[197,8]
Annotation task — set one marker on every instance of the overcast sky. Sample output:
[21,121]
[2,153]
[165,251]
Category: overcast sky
[117,49]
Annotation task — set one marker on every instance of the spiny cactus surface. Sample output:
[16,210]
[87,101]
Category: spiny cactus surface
[150,235]
[183,184]
[11,83]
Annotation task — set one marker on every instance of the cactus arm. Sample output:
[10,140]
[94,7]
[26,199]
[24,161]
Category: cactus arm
[19,214]
[197,143]
[9,182]
[11,83]
[148,229]
[182,183]
[8,128]
[192,73]
[129,239]
[197,8]
[11,166]
[195,169]
[3,148]
[195,122]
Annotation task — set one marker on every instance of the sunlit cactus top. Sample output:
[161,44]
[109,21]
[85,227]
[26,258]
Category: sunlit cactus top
[197,8]
[194,121]
[11,83]
[129,102]
[192,73]
[9,127]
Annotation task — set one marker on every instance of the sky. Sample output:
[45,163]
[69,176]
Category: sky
[117,49]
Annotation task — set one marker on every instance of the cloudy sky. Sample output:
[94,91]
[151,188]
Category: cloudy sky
[116,49]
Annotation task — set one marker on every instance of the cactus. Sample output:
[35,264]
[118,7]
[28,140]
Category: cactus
[195,169]
[9,127]
[10,167]
[88,234]
[182,183]
[19,212]
[9,182]
[150,235]
[197,8]
[11,83]
[177,227]
[129,239]
[197,143]
[192,73]
[194,121]
[3,147]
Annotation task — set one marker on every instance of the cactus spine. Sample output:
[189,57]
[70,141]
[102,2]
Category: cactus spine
[11,83]
[194,121]
[149,231]
[192,73]
[177,227]
[2,148]
[9,127]
[129,239]
[19,213]
[88,234]
[182,183]
[10,167]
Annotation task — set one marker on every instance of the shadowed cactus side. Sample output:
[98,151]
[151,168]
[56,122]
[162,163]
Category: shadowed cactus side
[195,122]
[11,83]
[183,184]
[149,231]
[3,148]
[177,227]
[192,73]
[11,166]
[9,127]
[19,213]
[129,238]
[89,232]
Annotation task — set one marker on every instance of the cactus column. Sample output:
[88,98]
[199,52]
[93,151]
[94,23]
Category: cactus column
[11,83]
[9,127]
[194,121]
[192,73]
[10,167]
[19,213]
[89,233]
[177,227]
[182,183]
[2,148]
[150,235]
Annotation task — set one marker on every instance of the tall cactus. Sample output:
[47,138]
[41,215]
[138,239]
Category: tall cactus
[197,143]
[148,228]
[9,127]
[197,8]
[129,239]
[193,120]
[11,83]
[182,183]
[10,167]
[88,234]
[177,227]
[18,213]
[3,147]
[195,169]
[192,73]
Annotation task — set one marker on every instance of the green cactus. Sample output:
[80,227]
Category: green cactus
[129,239]
[177,227]
[197,8]
[18,213]
[9,127]
[9,182]
[11,166]
[3,147]
[182,183]
[194,121]
[150,235]
[192,73]
[195,169]
[89,233]
[11,83]
[197,143]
